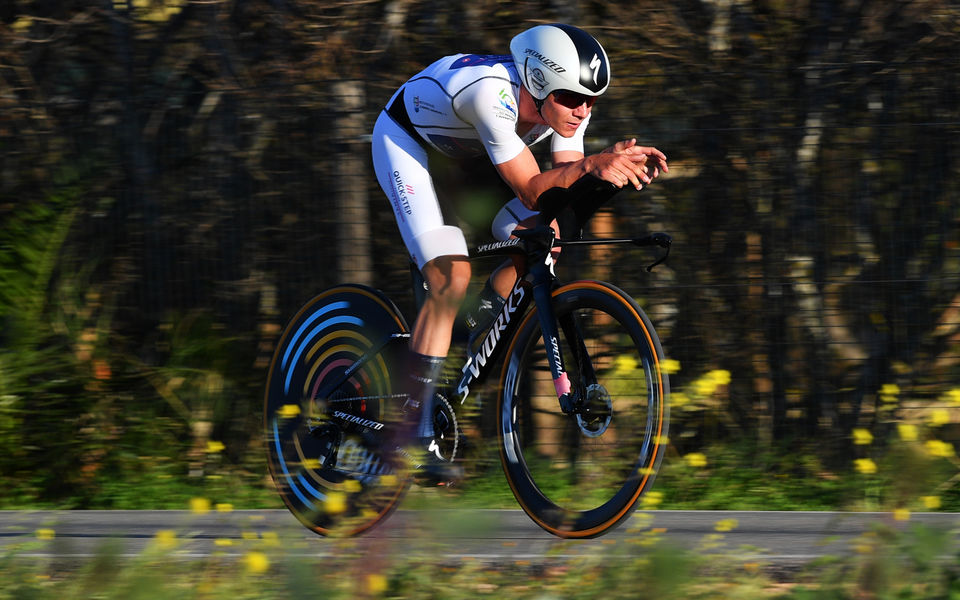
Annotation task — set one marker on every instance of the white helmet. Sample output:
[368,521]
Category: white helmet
[560,57]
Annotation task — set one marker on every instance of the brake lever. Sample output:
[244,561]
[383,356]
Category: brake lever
[661,259]
[662,240]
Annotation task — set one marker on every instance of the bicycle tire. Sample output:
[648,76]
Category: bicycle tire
[315,351]
[581,480]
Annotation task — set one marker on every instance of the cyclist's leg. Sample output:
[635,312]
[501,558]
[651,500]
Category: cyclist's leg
[514,215]
[439,250]
[447,280]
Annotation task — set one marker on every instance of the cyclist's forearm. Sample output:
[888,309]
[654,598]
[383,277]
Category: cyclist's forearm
[523,174]
[562,176]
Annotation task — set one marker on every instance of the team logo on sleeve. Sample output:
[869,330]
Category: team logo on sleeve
[507,101]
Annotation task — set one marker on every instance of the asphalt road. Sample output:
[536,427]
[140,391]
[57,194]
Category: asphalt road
[784,539]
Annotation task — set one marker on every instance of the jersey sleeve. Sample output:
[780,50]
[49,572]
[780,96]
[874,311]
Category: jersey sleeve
[490,106]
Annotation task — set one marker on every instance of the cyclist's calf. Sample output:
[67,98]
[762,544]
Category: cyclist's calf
[447,278]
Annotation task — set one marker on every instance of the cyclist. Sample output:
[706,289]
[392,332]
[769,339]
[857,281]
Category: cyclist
[466,107]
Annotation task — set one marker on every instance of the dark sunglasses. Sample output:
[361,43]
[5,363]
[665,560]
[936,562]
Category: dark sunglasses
[573,99]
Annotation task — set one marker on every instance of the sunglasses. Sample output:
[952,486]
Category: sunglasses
[570,99]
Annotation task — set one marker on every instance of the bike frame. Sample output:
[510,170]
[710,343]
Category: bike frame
[536,285]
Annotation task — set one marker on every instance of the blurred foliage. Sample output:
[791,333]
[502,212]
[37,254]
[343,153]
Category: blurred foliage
[901,560]
[173,172]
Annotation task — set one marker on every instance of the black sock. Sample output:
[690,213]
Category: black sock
[423,372]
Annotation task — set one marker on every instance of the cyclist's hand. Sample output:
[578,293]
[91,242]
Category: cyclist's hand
[626,163]
[654,160]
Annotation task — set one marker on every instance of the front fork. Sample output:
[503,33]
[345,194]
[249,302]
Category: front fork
[569,396]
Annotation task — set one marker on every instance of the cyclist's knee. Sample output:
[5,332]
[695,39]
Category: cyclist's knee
[448,278]
[533,222]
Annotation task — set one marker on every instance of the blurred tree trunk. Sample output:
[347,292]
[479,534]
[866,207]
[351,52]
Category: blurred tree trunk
[351,158]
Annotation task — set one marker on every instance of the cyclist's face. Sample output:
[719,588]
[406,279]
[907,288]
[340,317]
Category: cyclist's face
[564,111]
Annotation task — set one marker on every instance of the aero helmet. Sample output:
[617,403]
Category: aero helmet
[560,57]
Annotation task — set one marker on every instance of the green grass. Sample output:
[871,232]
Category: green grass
[734,478]
[884,563]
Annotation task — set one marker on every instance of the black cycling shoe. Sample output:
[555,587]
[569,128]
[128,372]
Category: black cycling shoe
[436,472]
[428,467]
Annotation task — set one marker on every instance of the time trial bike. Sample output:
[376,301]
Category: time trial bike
[581,397]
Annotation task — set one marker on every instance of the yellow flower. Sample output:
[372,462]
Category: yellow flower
[725,525]
[908,433]
[679,400]
[939,449]
[199,506]
[862,437]
[224,507]
[954,395]
[352,486]
[214,447]
[652,499]
[670,366]
[45,534]
[901,514]
[720,376]
[624,365]
[288,411]
[939,416]
[705,386]
[165,539]
[256,563]
[889,392]
[696,459]
[640,521]
[931,502]
[865,466]
[22,23]
[336,502]
[376,584]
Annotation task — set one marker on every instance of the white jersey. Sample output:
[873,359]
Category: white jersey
[466,104]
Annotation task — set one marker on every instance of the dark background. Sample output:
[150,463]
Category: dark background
[177,177]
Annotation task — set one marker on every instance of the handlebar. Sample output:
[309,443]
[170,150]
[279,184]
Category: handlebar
[584,197]
[659,239]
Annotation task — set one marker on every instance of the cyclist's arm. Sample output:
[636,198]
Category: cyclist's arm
[493,113]
[565,157]
[522,173]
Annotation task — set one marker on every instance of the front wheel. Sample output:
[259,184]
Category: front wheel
[578,475]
